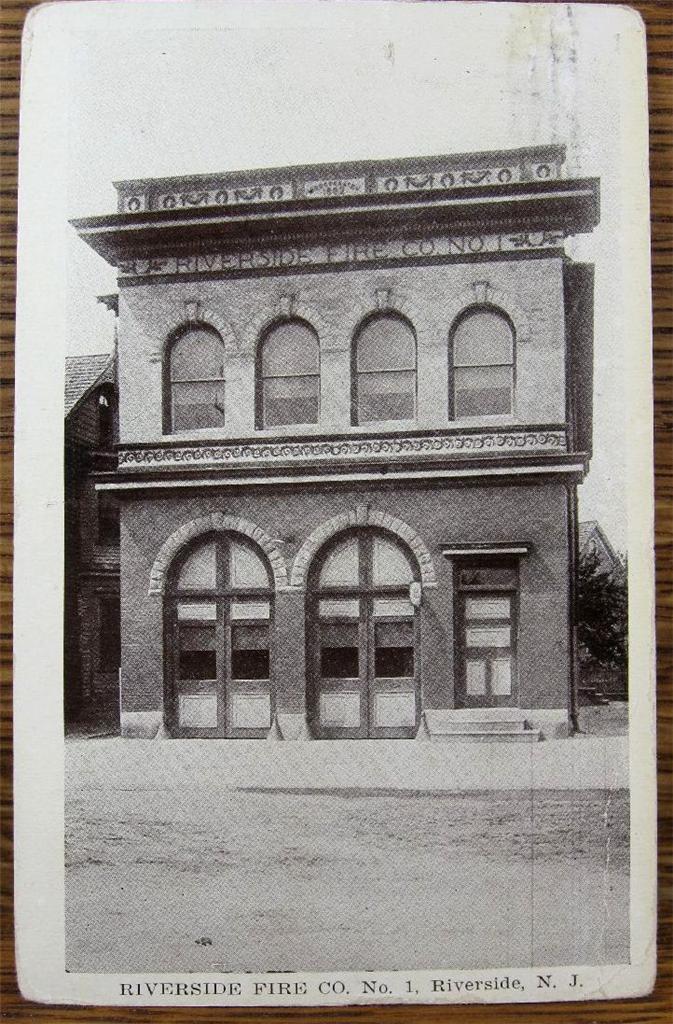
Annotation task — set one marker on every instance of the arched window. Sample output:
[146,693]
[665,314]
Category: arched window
[288,375]
[363,633]
[384,385]
[482,345]
[218,608]
[195,380]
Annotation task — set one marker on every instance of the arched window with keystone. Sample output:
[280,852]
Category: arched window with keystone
[194,380]
[384,370]
[482,364]
[288,375]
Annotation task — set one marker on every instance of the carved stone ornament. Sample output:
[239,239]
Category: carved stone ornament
[346,449]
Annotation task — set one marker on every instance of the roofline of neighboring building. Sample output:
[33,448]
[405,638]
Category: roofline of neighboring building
[604,539]
[96,383]
[110,301]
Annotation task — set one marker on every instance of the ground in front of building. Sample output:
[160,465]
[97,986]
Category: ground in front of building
[173,868]
[610,719]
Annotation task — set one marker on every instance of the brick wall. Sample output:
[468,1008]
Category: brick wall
[530,291]
[437,514]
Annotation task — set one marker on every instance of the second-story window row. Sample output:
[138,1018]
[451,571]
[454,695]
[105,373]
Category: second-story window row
[383,372]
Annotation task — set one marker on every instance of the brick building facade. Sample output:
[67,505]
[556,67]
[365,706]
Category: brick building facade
[354,407]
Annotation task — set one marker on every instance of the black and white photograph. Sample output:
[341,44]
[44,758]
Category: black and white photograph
[339,674]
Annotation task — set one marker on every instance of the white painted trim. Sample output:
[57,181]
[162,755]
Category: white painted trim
[326,478]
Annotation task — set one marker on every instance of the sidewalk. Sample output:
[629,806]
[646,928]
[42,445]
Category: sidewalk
[582,762]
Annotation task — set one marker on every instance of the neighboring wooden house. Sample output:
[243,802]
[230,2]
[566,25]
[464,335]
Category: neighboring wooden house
[91,650]
[593,540]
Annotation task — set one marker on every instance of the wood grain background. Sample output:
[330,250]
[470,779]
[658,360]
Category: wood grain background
[658,1007]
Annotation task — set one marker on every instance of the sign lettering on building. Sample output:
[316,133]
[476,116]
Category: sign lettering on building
[329,187]
[346,253]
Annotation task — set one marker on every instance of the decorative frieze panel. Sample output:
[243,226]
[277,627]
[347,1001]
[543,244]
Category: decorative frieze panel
[328,188]
[374,178]
[345,450]
[445,179]
[189,199]
[326,256]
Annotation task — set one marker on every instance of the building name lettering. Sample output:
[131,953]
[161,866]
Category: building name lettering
[347,253]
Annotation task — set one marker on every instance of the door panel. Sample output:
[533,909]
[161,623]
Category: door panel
[197,666]
[486,650]
[365,671]
[395,710]
[250,712]
[363,640]
[340,709]
[339,669]
[197,711]
[394,649]
[217,617]
[394,703]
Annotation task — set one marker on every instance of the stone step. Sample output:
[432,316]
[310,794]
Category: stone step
[487,736]
[475,725]
[479,725]
[504,714]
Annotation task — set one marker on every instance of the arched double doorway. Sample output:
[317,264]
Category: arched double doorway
[363,631]
[218,610]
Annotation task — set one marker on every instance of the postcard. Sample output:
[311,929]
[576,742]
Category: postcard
[334,664]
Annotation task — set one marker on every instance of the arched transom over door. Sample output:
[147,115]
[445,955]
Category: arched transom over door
[363,633]
[218,612]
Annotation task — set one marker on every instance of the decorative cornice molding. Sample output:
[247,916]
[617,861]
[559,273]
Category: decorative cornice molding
[361,516]
[573,467]
[217,521]
[341,180]
[345,450]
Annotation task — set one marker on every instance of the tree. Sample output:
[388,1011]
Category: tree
[602,614]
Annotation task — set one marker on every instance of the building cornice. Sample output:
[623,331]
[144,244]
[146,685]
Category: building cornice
[565,470]
[554,208]
[466,549]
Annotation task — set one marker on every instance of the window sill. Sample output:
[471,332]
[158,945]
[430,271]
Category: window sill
[486,421]
[295,430]
[328,428]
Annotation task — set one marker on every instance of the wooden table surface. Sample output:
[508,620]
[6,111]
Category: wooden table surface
[657,1007]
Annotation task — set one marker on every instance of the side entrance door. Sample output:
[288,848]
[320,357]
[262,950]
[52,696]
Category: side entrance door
[486,635]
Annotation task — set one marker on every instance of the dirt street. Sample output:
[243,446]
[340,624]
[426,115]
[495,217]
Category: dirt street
[170,872]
